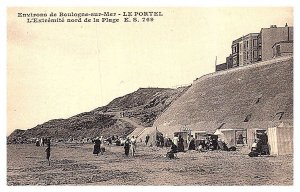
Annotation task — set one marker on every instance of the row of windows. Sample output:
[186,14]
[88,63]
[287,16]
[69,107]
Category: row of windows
[254,54]
[246,45]
[247,56]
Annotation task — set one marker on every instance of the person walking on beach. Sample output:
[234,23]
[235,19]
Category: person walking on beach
[44,141]
[48,152]
[147,139]
[102,148]
[133,145]
[180,144]
[192,145]
[37,142]
[127,146]
[41,142]
[97,146]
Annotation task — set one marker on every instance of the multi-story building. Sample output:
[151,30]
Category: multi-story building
[245,50]
[253,47]
[235,52]
[269,36]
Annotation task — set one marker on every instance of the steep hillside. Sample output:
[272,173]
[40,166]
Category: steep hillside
[144,105]
[257,95]
[119,117]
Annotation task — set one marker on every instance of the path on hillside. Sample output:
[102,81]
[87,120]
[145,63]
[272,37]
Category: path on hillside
[139,129]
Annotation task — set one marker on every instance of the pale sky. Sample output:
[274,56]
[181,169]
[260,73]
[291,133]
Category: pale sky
[58,70]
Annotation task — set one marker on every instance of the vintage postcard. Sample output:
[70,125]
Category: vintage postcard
[150,96]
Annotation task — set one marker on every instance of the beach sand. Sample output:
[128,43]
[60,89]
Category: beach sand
[74,164]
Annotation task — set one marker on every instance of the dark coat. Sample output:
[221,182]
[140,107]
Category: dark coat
[126,147]
[180,144]
[97,146]
[192,145]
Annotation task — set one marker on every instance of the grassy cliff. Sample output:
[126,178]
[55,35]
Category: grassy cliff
[257,95]
[141,107]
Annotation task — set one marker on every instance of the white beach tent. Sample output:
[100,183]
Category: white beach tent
[280,139]
[221,135]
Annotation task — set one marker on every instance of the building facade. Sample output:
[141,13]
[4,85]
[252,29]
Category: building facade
[245,50]
[235,52]
[269,43]
[269,36]
[283,48]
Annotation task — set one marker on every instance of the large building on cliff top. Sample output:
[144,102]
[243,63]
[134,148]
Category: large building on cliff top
[269,43]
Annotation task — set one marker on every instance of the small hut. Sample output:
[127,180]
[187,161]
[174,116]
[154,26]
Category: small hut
[232,137]
[280,139]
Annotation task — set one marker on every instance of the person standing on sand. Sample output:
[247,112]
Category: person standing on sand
[97,146]
[48,152]
[192,145]
[37,142]
[127,146]
[102,148]
[147,139]
[102,140]
[44,141]
[133,145]
[180,144]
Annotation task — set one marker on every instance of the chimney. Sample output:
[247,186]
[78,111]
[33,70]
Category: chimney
[286,25]
[273,26]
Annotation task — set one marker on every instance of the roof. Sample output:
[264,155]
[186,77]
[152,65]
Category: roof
[281,42]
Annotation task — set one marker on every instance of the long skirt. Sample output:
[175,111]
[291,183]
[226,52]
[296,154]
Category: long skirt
[96,149]
[126,151]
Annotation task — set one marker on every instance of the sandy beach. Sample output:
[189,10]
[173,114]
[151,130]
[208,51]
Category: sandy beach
[74,164]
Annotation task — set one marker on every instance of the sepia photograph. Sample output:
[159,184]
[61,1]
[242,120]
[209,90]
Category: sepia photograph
[150,96]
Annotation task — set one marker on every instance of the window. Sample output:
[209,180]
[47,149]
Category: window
[255,54]
[241,137]
[234,49]
[278,50]
[247,44]
[254,42]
